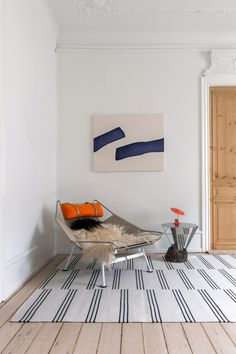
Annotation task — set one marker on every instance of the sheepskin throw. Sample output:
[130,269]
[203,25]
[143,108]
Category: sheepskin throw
[109,232]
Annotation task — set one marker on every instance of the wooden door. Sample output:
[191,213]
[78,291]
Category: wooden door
[223,168]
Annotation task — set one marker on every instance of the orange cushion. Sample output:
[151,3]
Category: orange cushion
[72,211]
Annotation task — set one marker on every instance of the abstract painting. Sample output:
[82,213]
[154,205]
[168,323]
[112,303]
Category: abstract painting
[128,142]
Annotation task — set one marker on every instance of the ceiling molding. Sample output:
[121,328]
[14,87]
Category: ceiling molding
[107,7]
[197,47]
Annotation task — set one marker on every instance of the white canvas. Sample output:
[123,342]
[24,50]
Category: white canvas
[136,128]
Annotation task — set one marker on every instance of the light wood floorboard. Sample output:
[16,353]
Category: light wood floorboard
[230,329]
[88,339]
[107,338]
[110,340]
[153,338]
[176,339]
[219,338]
[66,339]
[21,342]
[193,332]
[45,338]
[132,339]
[7,333]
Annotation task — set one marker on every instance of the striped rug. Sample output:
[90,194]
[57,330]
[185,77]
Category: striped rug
[203,289]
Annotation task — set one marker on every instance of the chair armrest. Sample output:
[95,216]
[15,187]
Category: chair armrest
[103,242]
[152,232]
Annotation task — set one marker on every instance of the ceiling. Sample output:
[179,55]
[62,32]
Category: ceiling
[189,22]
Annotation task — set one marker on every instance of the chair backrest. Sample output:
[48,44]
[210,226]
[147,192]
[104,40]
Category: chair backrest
[128,227]
[67,230]
[65,225]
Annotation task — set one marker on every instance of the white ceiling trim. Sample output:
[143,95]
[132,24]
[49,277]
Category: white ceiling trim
[106,7]
[145,40]
[197,47]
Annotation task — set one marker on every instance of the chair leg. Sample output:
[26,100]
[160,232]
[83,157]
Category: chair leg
[150,270]
[103,276]
[69,258]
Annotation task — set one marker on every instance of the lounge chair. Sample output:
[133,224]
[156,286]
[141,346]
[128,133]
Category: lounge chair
[121,253]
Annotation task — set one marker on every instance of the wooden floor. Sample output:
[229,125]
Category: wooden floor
[108,338]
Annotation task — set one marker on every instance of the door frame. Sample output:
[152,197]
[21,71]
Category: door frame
[222,72]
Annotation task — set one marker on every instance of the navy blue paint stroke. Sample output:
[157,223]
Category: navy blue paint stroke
[139,148]
[107,138]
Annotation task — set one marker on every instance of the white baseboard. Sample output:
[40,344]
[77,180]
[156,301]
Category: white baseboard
[17,258]
[19,269]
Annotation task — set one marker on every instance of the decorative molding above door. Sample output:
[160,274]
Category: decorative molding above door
[222,62]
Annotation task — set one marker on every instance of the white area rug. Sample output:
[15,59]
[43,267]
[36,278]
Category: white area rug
[203,289]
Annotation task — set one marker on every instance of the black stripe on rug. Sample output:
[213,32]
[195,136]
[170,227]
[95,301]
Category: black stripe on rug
[216,310]
[62,310]
[93,279]
[70,279]
[139,279]
[184,308]
[45,282]
[231,294]
[116,279]
[162,279]
[223,261]
[94,306]
[169,265]
[185,279]
[228,276]
[124,306]
[130,264]
[150,261]
[208,279]
[188,265]
[74,262]
[205,262]
[92,264]
[35,305]
[153,306]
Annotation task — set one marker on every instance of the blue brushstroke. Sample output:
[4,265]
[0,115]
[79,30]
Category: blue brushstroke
[139,148]
[107,138]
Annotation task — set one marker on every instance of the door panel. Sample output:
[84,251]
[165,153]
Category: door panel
[223,168]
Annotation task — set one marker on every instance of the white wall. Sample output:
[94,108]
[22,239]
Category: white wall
[96,81]
[29,141]
[2,75]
